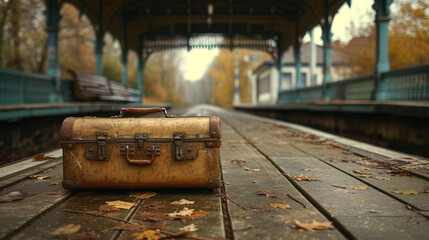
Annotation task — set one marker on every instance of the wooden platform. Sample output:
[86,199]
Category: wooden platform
[365,191]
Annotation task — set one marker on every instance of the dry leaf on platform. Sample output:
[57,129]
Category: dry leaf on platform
[361,169]
[148,234]
[279,205]
[409,192]
[198,214]
[266,194]
[335,148]
[107,208]
[351,187]
[38,177]
[48,170]
[238,162]
[302,177]
[42,157]
[373,176]
[143,195]
[14,196]
[184,212]
[67,229]
[189,228]
[56,183]
[120,204]
[182,202]
[252,169]
[310,169]
[315,225]
[411,167]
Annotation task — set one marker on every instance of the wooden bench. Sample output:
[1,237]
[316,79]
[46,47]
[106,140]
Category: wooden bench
[89,87]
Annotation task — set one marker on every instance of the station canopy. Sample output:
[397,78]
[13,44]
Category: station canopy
[150,26]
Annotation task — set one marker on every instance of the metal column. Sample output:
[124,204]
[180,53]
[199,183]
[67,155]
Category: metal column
[382,18]
[53,17]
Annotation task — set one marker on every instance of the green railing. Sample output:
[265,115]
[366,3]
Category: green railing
[402,84]
[18,87]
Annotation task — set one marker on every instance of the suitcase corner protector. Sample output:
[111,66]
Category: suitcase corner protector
[69,185]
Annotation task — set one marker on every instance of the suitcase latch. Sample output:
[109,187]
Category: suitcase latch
[140,137]
[183,151]
[98,152]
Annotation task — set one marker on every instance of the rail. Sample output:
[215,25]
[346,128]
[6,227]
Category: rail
[402,84]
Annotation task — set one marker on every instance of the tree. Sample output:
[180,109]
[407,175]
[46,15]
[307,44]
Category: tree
[408,36]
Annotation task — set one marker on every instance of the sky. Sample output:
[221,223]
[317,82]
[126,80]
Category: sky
[196,61]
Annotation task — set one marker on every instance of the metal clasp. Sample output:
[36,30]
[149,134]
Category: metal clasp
[182,150]
[141,138]
[178,144]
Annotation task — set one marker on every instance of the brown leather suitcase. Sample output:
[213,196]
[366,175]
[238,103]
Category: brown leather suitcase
[128,152]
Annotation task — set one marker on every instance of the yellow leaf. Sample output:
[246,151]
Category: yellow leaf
[409,192]
[279,205]
[310,169]
[302,177]
[38,177]
[67,229]
[120,204]
[148,234]
[252,169]
[184,212]
[189,228]
[143,195]
[56,183]
[182,202]
[315,225]
[351,187]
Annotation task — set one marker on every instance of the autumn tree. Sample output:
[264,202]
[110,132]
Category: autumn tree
[408,37]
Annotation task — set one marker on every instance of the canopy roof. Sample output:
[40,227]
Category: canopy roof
[150,25]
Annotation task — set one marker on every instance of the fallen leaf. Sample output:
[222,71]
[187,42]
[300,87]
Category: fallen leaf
[198,214]
[310,169]
[56,183]
[255,138]
[409,192]
[302,177]
[334,148]
[184,212]
[252,169]
[361,169]
[120,204]
[139,227]
[81,236]
[190,228]
[373,176]
[148,234]
[67,229]
[411,167]
[48,170]
[107,208]
[266,193]
[238,162]
[152,206]
[315,225]
[153,216]
[182,202]
[38,177]
[279,205]
[14,196]
[143,195]
[42,157]
[351,187]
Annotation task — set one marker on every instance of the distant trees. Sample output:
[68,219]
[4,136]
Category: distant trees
[408,36]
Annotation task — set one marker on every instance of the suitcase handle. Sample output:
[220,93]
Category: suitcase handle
[140,162]
[142,111]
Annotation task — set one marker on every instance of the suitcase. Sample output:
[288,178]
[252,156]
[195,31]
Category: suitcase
[128,152]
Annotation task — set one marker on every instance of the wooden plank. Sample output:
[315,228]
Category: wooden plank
[16,214]
[254,218]
[46,225]
[375,167]
[9,180]
[370,204]
[210,226]
[27,163]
